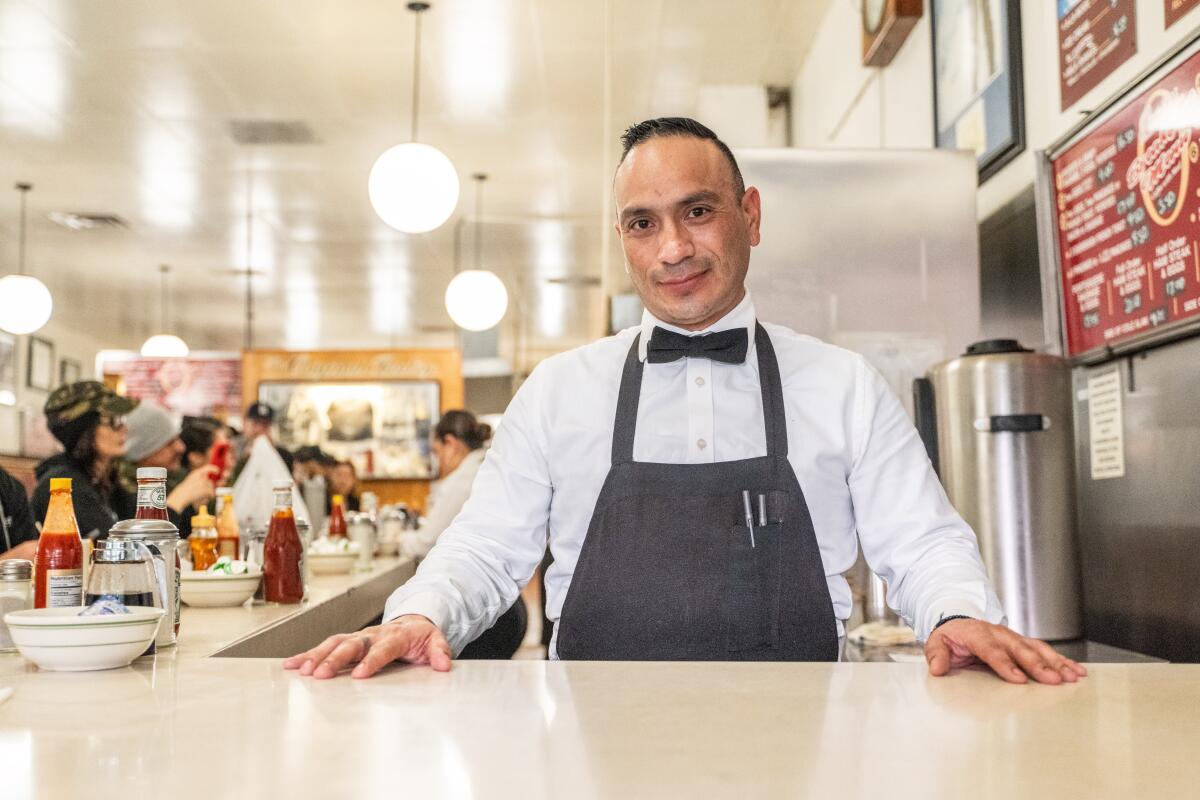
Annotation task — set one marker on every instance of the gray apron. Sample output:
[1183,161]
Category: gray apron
[667,571]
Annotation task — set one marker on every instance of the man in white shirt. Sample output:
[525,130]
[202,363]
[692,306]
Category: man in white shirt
[703,479]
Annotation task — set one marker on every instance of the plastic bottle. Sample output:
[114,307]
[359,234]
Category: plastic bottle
[58,565]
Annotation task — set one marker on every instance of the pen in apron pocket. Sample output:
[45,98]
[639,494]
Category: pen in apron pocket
[762,511]
[749,514]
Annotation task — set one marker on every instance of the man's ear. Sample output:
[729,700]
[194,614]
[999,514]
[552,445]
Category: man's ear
[752,208]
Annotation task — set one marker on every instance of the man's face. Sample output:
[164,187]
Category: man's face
[686,233]
[255,428]
[169,456]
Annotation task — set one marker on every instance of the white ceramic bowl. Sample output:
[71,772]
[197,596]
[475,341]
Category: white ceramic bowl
[217,590]
[331,563]
[60,640]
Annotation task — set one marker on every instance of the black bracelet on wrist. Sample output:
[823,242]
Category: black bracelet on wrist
[943,620]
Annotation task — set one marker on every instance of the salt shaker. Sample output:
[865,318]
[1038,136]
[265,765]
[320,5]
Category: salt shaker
[16,594]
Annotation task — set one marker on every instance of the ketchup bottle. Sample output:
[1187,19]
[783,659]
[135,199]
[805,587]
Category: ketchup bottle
[283,553]
[152,493]
[152,504]
[337,516]
[58,565]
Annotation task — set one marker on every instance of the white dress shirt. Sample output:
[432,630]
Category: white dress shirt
[859,461]
[446,498]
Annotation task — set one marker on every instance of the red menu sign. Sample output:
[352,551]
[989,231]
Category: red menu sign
[1094,38]
[1128,205]
[1174,9]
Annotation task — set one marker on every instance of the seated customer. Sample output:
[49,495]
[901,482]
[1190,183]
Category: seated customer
[201,437]
[153,441]
[18,535]
[343,480]
[89,419]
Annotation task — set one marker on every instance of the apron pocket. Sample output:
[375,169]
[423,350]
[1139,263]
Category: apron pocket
[752,591]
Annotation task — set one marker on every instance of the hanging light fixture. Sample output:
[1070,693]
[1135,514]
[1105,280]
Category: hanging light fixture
[476,298]
[413,187]
[164,345]
[25,302]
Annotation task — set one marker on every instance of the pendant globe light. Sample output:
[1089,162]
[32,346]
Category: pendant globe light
[476,298]
[25,302]
[164,345]
[413,187]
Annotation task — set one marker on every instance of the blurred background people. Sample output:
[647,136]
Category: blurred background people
[153,440]
[458,443]
[343,480]
[88,419]
[256,423]
[206,441]
[18,534]
[309,474]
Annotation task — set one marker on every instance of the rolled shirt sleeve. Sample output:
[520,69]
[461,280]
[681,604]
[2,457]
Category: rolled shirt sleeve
[910,534]
[480,562]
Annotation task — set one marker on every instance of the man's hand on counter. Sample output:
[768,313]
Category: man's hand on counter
[410,638]
[1015,658]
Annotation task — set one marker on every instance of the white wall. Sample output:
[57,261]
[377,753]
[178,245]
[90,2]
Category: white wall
[68,343]
[832,86]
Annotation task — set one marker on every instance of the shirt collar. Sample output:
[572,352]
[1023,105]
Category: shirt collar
[740,316]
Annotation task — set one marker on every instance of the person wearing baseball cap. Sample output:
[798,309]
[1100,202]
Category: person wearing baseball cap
[153,440]
[88,419]
[256,422]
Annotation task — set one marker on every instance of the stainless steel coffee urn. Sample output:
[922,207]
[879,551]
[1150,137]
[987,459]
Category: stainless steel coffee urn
[997,424]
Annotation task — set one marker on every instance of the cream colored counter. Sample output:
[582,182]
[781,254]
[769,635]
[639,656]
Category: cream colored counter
[335,604]
[591,730]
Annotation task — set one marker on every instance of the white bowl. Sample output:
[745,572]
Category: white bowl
[331,563]
[217,590]
[60,640]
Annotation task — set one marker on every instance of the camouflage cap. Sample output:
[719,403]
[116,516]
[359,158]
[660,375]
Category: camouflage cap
[72,401]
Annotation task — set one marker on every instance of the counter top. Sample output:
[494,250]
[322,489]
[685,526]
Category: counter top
[592,730]
[335,604]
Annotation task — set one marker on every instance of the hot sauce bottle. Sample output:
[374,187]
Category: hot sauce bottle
[283,553]
[58,565]
[337,516]
[228,535]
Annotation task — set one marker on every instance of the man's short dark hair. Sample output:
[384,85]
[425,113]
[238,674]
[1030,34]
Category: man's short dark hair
[679,126]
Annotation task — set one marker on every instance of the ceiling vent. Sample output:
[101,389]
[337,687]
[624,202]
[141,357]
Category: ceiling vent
[80,221]
[271,132]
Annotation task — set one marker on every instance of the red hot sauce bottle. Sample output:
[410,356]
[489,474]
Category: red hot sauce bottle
[283,552]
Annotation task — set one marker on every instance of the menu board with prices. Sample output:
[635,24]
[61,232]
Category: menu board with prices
[1128,216]
[1094,38]
[1174,10]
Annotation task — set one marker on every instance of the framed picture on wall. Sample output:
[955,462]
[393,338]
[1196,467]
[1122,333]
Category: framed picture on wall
[8,369]
[40,372]
[978,103]
[69,371]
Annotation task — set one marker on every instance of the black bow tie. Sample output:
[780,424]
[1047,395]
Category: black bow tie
[728,347]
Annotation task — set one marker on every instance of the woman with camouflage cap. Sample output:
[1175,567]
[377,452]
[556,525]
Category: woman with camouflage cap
[89,419]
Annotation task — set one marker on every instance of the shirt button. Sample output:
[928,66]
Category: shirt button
[701,444]
[699,381]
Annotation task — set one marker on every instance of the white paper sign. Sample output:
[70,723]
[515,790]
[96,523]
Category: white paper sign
[1106,424]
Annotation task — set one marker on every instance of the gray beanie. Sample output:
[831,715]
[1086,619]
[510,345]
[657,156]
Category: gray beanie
[149,429]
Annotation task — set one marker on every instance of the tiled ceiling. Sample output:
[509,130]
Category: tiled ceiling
[125,107]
